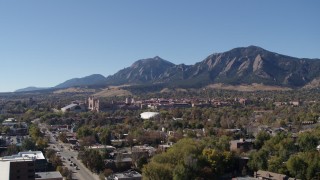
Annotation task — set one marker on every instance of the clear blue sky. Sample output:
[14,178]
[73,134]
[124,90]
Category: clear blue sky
[45,42]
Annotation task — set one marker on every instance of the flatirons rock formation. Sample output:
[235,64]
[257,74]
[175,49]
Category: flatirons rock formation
[238,66]
[245,65]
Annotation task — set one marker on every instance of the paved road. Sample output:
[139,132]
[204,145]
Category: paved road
[68,156]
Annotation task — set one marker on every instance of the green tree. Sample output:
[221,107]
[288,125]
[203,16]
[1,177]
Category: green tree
[93,160]
[312,159]
[12,149]
[261,137]
[87,141]
[220,162]
[157,171]
[297,167]
[307,141]
[56,161]
[147,124]
[62,137]
[34,132]
[65,172]
[141,162]
[105,136]
[259,160]
[184,154]
[182,172]
[5,129]
[276,164]
[84,131]
[28,144]
[42,143]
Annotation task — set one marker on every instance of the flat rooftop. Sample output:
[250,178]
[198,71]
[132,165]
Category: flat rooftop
[128,175]
[48,175]
[27,155]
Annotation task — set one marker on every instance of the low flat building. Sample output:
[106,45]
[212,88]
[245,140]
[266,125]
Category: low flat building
[103,147]
[267,175]
[72,140]
[74,108]
[148,115]
[165,147]
[16,128]
[241,145]
[128,175]
[145,148]
[54,175]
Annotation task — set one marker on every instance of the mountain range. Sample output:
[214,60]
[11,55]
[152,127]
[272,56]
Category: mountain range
[31,88]
[244,65]
[92,80]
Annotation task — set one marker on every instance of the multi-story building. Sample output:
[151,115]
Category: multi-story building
[17,169]
[93,104]
[40,163]
[24,169]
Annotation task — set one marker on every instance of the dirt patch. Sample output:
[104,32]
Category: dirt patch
[74,90]
[248,87]
[315,83]
[113,91]
[167,90]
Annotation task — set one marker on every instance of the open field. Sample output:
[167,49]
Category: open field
[75,90]
[248,87]
[113,91]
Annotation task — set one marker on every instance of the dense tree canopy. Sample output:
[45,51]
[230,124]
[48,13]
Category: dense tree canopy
[189,159]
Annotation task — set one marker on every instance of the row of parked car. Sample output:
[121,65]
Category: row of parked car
[73,164]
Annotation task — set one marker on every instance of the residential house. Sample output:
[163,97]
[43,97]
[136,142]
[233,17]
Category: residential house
[241,145]
[165,147]
[267,175]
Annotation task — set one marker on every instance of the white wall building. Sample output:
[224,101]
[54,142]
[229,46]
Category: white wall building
[73,108]
[148,115]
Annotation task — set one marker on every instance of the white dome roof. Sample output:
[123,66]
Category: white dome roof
[148,115]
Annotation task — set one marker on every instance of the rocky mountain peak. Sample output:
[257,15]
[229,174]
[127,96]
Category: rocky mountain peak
[149,62]
[243,65]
